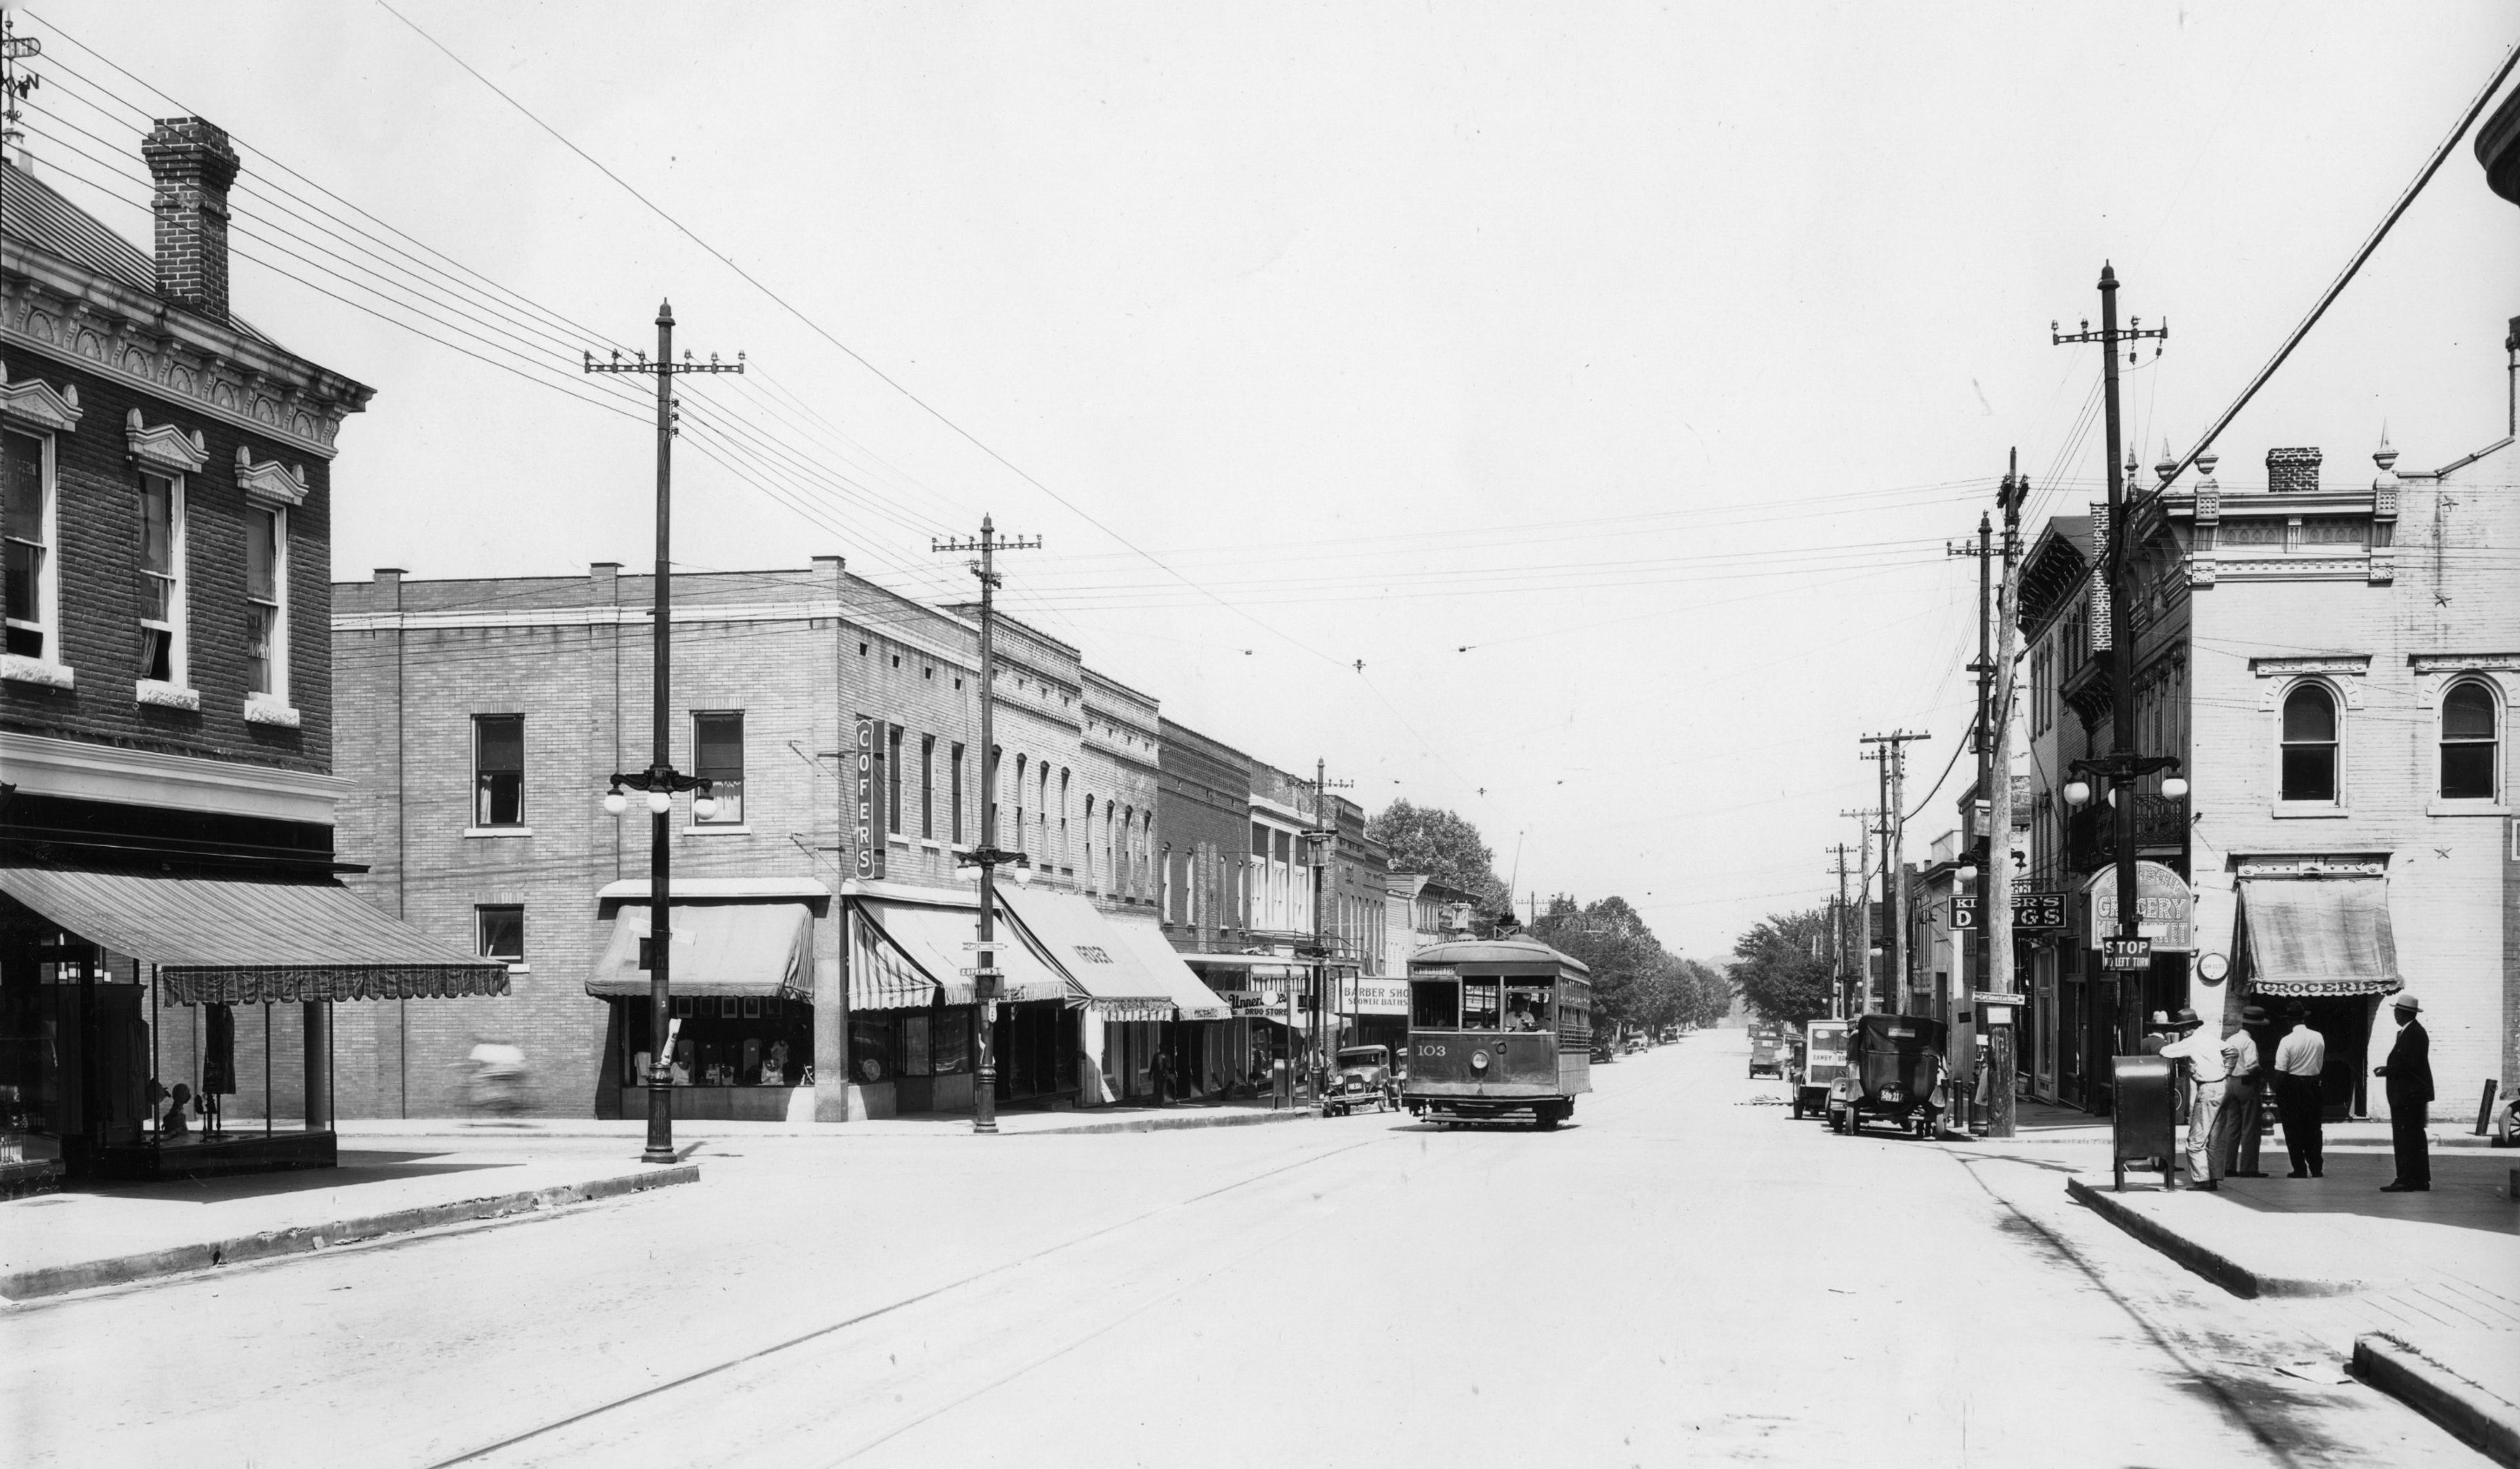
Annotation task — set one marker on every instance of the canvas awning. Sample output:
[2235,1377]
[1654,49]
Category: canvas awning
[716,951]
[218,940]
[909,955]
[1105,972]
[2320,936]
[1191,1000]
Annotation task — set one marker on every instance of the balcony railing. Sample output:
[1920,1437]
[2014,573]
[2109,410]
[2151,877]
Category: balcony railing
[2160,827]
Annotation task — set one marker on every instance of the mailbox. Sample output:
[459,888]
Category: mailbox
[2143,1120]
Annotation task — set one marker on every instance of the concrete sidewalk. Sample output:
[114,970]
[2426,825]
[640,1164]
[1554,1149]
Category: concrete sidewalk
[2426,1287]
[112,1234]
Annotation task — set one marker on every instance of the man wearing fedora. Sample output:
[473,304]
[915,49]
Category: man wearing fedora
[2410,1075]
[2236,1133]
[2202,1053]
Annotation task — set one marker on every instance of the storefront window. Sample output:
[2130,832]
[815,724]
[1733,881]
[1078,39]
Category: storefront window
[728,1042]
[912,1043]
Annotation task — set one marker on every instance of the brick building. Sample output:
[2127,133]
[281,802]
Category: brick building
[824,981]
[2334,665]
[168,844]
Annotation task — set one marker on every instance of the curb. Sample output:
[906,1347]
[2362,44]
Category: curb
[123,1270]
[2476,1418]
[1176,1124]
[2214,1266]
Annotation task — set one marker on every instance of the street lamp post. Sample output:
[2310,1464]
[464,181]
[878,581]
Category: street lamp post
[661,780]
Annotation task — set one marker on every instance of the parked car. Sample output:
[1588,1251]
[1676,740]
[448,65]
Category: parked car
[1360,1075]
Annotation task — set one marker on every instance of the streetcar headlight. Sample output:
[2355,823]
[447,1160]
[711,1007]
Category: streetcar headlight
[1478,1061]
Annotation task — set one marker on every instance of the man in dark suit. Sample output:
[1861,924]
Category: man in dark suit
[2410,1075]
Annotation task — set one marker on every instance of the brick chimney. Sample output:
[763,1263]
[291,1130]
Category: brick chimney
[193,165]
[2291,472]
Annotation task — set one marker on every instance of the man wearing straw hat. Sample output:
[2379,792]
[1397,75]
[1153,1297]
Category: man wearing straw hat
[2202,1051]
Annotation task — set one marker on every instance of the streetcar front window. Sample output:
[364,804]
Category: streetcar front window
[1435,1004]
[1479,1004]
[1526,1007]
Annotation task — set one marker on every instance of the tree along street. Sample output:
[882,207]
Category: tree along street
[1684,1276]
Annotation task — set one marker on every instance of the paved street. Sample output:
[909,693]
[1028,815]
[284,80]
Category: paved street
[1683,1277]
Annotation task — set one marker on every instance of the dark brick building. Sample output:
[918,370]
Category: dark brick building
[166,688]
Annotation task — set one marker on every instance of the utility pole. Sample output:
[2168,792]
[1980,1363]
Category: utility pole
[1838,992]
[661,780]
[2122,766]
[985,974]
[1894,838]
[1323,840]
[1859,1000]
[1996,919]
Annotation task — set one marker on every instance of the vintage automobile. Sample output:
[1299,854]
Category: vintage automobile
[1894,1069]
[1767,1045]
[1822,1062]
[1360,1075]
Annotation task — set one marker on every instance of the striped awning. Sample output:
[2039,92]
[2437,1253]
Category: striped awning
[910,955]
[1106,976]
[218,940]
[2320,938]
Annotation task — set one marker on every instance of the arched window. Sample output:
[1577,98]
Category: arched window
[2467,744]
[2309,744]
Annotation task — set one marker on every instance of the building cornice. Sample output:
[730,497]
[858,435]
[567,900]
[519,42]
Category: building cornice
[76,315]
[82,770]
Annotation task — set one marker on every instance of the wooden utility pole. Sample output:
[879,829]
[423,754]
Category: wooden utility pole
[1859,1000]
[1894,840]
[987,856]
[1837,991]
[1996,921]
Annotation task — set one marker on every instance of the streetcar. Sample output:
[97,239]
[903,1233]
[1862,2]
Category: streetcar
[1498,1028]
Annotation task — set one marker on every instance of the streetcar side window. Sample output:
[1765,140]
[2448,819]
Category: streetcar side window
[1526,1007]
[1479,1004]
[1435,1004]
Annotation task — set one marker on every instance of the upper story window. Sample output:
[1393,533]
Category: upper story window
[33,599]
[717,757]
[502,931]
[2309,744]
[954,791]
[266,608]
[928,787]
[2468,743]
[892,779]
[162,578]
[498,769]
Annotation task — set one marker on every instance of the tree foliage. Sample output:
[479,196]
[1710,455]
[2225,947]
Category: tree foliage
[1443,846]
[1635,982]
[1780,967]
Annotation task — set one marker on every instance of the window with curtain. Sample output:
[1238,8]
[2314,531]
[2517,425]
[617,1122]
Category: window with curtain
[266,573]
[498,769]
[717,757]
[161,580]
[2309,758]
[2469,742]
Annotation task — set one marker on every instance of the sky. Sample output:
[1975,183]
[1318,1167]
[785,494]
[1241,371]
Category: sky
[1555,414]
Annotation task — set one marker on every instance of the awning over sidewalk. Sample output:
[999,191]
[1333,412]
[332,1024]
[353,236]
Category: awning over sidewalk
[909,955]
[218,940]
[1105,972]
[1192,999]
[2320,936]
[717,951]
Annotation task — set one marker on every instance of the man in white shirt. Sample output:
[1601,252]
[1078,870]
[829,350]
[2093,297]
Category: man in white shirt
[2202,1052]
[2300,1057]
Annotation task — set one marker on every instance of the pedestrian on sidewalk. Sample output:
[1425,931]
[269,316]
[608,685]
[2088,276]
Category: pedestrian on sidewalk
[2235,1129]
[2201,1052]
[2299,1059]
[2410,1075]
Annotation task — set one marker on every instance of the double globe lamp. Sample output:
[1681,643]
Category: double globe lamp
[617,800]
[2078,793]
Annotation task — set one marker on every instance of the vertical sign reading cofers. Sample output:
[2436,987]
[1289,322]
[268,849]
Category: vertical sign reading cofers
[870,813]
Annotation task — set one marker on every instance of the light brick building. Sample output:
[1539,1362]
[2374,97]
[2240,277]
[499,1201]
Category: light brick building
[2335,660]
